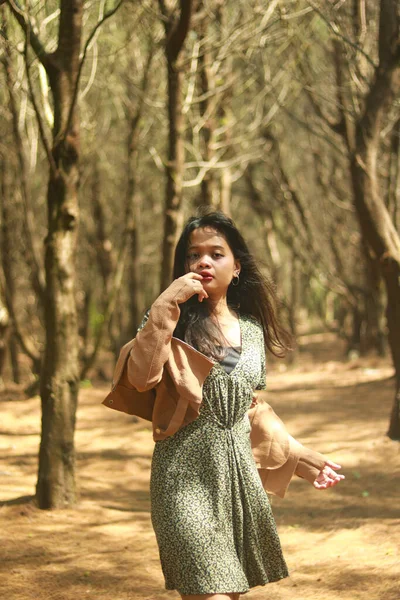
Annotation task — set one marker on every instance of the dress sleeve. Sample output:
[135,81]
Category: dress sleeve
[262,384]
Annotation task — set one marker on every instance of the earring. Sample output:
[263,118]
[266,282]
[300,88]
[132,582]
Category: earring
[237,280]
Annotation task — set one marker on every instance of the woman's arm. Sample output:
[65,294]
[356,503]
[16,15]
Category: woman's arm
[316,468]
[279,456]
[152,344]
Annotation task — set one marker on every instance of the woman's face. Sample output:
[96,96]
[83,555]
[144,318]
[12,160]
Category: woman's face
[209,255]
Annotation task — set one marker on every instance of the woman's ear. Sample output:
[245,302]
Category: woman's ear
[237,266]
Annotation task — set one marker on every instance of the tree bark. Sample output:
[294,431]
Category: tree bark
[294,302]
[7,280]
[31,255]
[376,224]
[208,188]
[59,382]
[133,200]
[375,331]
[175,35]
[264,211]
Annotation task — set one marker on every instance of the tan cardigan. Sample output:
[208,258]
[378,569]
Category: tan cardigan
[160,378]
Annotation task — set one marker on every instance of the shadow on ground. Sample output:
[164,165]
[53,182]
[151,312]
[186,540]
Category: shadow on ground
[341,542]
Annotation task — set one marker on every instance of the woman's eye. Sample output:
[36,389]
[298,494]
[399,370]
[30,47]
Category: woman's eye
[194,255]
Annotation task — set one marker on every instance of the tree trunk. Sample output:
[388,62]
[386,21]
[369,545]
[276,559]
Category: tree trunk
[294,302]
[392,279]
[31,255]
[133,200]
[4,335]
[376,224]
[208,186]
[13,350]
[6,266]
[176,32]
[56,486]
[394,175]
[375,332]
[264,211]
[174,173]
[136,296]
[226,191]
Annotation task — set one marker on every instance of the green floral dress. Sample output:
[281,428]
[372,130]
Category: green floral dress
[212,518]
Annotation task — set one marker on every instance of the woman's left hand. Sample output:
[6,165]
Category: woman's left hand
[327,477]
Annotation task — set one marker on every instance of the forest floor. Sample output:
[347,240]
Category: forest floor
[342,542]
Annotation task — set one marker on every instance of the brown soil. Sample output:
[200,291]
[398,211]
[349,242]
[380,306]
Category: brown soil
[341,542]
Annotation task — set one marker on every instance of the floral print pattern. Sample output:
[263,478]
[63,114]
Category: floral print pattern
[211,516]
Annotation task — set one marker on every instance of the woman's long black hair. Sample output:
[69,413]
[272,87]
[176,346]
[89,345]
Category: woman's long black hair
[254,295]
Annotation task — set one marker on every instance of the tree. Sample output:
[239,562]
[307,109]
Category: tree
[377,226]
[176,30]
[366,87]
[60,376]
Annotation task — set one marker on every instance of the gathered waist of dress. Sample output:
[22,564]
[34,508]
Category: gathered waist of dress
[231,422]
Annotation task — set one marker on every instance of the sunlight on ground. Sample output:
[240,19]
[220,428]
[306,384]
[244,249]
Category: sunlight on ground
[338,543]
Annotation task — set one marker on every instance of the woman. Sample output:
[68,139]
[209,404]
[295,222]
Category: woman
[212,518]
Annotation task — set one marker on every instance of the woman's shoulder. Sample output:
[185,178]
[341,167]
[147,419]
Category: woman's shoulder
[252,322]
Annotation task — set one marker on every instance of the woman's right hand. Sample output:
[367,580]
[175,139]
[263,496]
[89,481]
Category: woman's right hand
[327,477]
[192,285]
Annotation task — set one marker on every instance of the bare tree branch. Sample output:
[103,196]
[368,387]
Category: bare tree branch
[176,30]
[109,14]
[31,254]
[35,105]
[22,18]
[333,27]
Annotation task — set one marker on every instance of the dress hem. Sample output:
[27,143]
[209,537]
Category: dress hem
[243,591]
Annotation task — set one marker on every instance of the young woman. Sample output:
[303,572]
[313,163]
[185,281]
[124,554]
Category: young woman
[212,517]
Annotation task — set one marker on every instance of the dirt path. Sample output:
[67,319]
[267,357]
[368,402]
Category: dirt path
[338,543]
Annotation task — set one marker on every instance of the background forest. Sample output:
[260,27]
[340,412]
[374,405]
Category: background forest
[119,119]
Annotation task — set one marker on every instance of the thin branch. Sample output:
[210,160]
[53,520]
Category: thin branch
[42,132]
[336,127]
[23,20]
[177,35]
[311,130]
[157,159]
[109,14]
[163,9]
[32,257]
[112,299]
[6,279]
[333,27]
[192,78]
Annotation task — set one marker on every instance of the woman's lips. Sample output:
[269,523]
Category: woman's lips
[207,277]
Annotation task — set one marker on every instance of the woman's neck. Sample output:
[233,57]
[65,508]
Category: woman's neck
[219,308]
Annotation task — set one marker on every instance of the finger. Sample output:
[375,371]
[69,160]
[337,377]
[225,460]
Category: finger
[333,465]
[335,477]
[192,275]
[319,486]
[327,482]
[332,474]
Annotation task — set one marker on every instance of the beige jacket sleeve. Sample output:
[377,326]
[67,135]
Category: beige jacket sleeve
[151,347]
[277,454]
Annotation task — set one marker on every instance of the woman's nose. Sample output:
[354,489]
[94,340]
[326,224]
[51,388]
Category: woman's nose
[204,262]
